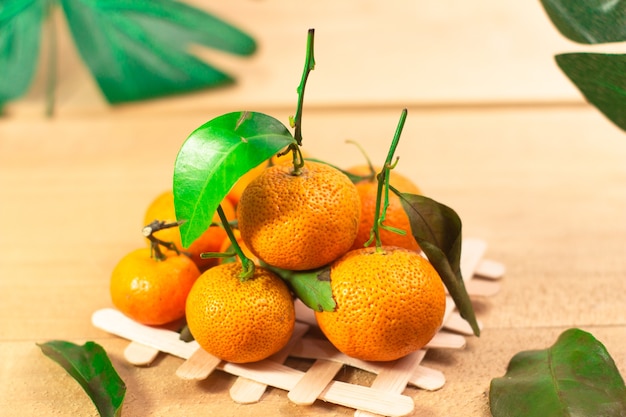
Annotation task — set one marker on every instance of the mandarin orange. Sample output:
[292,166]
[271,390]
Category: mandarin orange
[152,291]
[240,321]
[395,214]
[389,303]
[299,222]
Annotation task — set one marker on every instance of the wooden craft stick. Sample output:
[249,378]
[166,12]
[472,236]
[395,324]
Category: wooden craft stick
[266,372]
[446,340]
[458,324]
[427,378]
[140,355]
[472,251]
[482,288]
[314,381]
[450,306]
[199,366]
[168,341]
[313,348]
[394,377]
[490,269]
[337,392]
[247,391]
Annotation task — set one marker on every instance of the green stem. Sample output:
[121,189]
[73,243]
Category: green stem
[309,65]
[51,76]
[247,264]
[296,121]
[383,181]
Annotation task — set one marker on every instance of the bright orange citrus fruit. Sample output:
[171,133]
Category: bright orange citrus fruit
[389,303]
[395,214]
[299,222]
[151,291]
[162,209]
[240,321]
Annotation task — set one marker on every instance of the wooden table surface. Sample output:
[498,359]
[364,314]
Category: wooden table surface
[494,130]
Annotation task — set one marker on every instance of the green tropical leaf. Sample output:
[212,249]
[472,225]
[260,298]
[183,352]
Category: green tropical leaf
[20,33]
[588,21]
[574,377]
[311,287]
[437,229]
[138,49]
[601,78]
[90,366]
[213,158]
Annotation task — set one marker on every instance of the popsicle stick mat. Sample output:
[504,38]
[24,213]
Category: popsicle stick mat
[384,396]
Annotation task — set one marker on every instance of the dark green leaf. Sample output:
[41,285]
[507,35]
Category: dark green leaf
[574,377]
[90,366]
[139,49]
[213,158]
[602,80]
[437,229]
[589,21]
[20,33]
[312,287]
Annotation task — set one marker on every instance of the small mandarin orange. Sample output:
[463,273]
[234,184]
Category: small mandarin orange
[299,222]
[152,291]
[395,214]
[389,303]
[240,321]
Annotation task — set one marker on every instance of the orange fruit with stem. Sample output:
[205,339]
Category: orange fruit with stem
[299,220]
[152,289]
[240,321]
[234,195]
[162,209]
[395,215]
[390,302]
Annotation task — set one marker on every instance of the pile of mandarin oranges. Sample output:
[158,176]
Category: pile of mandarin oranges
[389,299]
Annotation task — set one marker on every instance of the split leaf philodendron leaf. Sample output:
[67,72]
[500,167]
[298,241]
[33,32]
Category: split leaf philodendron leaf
[135,49]
[311,287]
[601,78]
[20,31]
[574,377]
[437,229]
[214,157]
[138,49]
[90,366]
[588,21]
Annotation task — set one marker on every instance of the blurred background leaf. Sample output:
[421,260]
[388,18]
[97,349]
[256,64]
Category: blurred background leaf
[588,21]
[20,33]
[601,78]
[135,49]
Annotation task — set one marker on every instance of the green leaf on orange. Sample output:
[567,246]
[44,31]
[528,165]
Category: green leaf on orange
[574,377]
[311,287]
[214,157]
[90,366]
[437,229]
